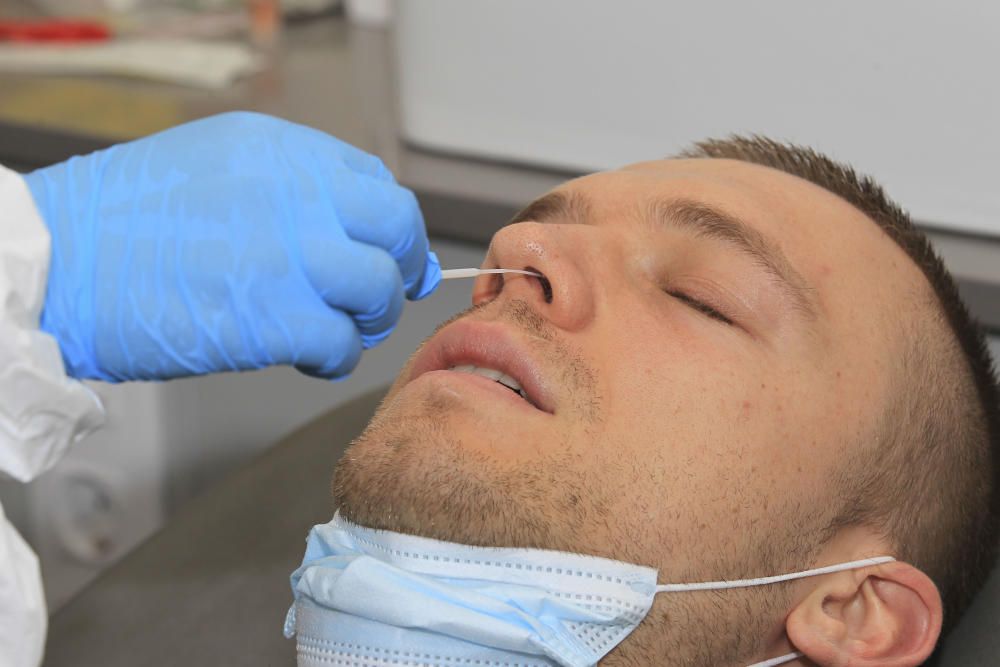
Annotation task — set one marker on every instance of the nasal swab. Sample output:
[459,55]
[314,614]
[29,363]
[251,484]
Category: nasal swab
[448,274]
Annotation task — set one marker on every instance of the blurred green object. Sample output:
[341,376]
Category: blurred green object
[91,108]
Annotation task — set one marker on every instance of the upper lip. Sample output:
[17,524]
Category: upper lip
[484,344]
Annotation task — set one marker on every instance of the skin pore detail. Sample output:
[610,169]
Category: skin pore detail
[705,379]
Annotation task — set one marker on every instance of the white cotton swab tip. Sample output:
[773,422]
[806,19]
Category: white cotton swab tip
[448,274]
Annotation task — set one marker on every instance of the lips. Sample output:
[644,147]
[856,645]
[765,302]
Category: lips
[485,345]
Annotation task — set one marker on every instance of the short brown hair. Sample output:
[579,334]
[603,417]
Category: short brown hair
[931,483]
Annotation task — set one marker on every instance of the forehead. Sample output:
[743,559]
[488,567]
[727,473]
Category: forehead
[795,214]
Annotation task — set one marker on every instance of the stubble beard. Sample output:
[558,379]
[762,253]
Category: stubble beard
[407,474]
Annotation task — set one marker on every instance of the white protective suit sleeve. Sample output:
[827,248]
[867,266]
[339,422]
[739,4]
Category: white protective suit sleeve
[42,411]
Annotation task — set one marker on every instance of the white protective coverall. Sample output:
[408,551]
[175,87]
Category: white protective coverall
[42,411]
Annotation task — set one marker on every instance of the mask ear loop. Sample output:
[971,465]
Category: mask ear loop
[762,581]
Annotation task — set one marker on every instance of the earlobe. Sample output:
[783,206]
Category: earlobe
[885,616]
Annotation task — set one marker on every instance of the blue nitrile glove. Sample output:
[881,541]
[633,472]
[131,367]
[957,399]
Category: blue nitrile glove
[234,242]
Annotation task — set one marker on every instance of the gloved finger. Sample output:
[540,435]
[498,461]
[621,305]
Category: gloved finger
[244,126]
[359,279]
[432,278]
[317,341]
[355,159]
[387,216]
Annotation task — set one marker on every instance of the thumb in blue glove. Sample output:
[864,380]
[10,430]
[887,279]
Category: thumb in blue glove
[230,243]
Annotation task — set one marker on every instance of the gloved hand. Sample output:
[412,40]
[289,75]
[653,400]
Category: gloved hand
[234,242]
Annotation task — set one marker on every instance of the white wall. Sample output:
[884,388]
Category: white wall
[905,90]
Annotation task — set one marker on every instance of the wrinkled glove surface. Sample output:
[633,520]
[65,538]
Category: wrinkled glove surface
[230,243]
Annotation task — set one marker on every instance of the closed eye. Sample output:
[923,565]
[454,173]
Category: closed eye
[702,308]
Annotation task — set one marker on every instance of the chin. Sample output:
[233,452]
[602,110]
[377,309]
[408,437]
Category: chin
[419,468]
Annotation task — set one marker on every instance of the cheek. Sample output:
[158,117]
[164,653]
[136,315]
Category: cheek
[720,416]
[667,380]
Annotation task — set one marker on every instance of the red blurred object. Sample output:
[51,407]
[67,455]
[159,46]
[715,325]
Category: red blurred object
[52,30]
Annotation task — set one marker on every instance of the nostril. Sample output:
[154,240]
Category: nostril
[546,288]
[544,282]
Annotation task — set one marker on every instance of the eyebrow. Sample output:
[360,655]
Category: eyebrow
[565,206]
[703,221]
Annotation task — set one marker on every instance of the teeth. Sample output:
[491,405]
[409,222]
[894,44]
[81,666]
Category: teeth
[494,375]
[488,372]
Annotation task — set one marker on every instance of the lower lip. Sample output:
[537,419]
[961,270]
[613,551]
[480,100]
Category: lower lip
[478,382]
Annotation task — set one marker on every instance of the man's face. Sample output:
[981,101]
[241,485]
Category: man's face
[710,340]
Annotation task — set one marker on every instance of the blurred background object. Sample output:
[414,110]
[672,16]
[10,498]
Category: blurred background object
[182,61]
[371,13]
[200,43]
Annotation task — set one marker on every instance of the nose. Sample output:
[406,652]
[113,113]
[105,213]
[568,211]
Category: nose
[563,293]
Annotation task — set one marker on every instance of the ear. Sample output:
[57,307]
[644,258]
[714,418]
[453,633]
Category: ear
[887,615]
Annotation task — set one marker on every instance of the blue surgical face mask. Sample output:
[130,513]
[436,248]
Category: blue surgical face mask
[365,597]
